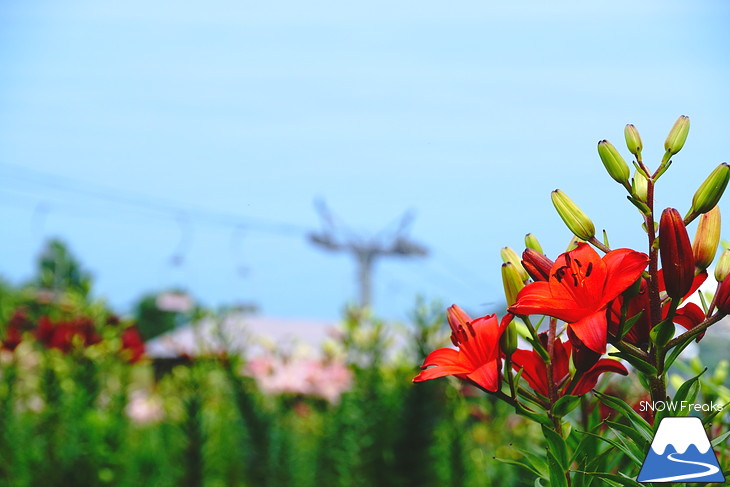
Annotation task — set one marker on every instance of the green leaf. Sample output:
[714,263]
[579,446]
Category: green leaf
[538,462]
[586,445]
[557,474]
[676,351]
[556,445]
[634,418]
[537,418]
[519,464]
[629,323]
[565,405]
[688,392]
[621,447]
[662,333]
[720,439]
[637,363]
[618,479]
[630,432]
[708,419]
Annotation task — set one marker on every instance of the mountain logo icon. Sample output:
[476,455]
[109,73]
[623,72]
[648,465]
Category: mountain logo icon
[681,452]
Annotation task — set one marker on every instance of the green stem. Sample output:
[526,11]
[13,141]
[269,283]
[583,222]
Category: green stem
[552,389]
[657,383]
[632,350]
[535,338]
[533,398]
[599,245]
[510,378]
[696,331]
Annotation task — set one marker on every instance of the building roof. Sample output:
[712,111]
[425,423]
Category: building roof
[239,332]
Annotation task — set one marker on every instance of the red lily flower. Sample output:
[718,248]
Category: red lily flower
[535,370]
[580,288]
[478,359]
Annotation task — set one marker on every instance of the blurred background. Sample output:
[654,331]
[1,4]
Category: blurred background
[229,170]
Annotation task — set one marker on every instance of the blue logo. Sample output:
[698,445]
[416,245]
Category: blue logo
[681,452]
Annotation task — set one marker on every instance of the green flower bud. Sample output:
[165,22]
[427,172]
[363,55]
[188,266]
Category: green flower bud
[707,238]
[614,163]
[508,340]
[710,191]
[677,136]
[633,140]
[640,186]
[510,256]
[574,218]
[512,282]
[531,242]
[722,269]
[573,244]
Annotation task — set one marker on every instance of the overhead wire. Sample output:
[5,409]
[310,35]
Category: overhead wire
[145,202]
[32,181]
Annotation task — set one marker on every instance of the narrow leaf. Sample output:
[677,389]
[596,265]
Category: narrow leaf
[556,444]
[565,405]
[557,474]
[636,420]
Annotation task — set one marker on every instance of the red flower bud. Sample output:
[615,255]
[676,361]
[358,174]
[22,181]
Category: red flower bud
[583,357]
[676,254]
[722,297]
[537,265]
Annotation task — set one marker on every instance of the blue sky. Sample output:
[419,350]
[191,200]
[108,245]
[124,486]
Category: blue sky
[138,131]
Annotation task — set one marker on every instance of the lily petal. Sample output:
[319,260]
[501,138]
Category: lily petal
[537,298]
[689,316]
[534,369]
[623,268]
[486,376]
[440,363]
[592,330]
[589,380]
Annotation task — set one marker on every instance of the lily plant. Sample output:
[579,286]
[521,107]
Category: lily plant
[595,309]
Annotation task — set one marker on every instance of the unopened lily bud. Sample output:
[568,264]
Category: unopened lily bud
[531,242]
[707,238]
[722,269]
[573,244]
[710,191]
[457,317]
[508,340]
[512,282]
[537,265]
[676,255]
[583,357]
[577,221]
[640,186]
[509,255]
[722,297]
[633,140]
[677,136]
[613,162]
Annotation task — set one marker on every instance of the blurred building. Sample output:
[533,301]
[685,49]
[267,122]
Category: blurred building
[239,332]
